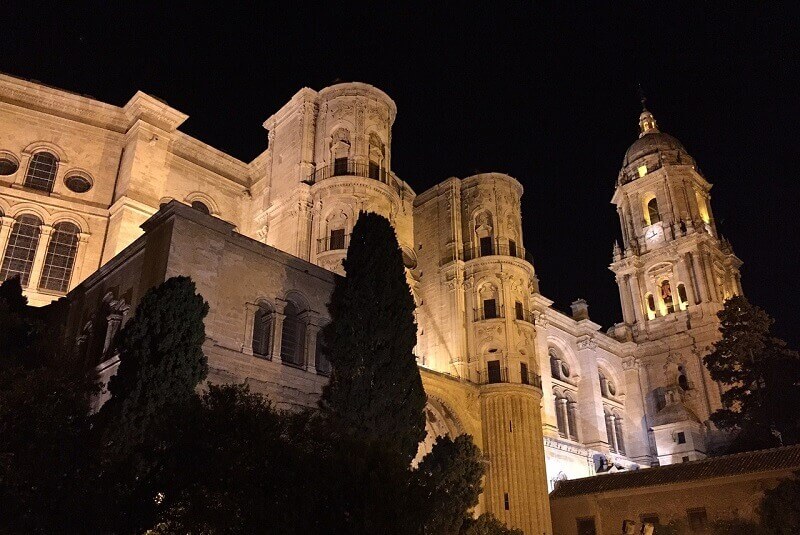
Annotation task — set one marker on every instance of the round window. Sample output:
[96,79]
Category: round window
[78,184]
[612,390]
[564,369]
[8,166]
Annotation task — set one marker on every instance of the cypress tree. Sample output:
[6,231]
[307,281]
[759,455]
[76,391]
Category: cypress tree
[446,485]
[161,362]
[761,376]
[375,388]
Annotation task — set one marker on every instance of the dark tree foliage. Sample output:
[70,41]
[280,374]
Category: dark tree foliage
[487,524]
[161,363]
[447,484]
[44,425]
[19,332]
[375,386]
[231,468]
[780,508]
[761,378]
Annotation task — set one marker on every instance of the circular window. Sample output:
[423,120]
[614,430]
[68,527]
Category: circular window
[78,184]
[612,389]
[8,166]
[564,369]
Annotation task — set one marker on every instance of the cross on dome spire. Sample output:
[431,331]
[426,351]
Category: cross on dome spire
[647,123]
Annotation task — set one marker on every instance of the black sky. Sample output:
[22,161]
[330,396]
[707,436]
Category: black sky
[546,95]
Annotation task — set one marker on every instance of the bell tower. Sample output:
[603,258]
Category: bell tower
[671,258]
[674,274]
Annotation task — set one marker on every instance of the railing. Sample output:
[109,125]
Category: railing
[493,375]
[483,314]
[333,243]
[501,375]
[495,247]
[351,167]
[533,379]
[524,314]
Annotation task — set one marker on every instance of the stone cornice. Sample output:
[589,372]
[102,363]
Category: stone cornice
[302,96]
[39,97]
[143,107]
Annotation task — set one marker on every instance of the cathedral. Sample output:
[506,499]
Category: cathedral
[98,203]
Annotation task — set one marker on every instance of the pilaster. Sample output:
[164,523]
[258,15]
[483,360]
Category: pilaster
[45,231]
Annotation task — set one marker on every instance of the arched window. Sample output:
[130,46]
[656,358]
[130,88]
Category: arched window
[60,257]
[293,336]
[653,215]
[21,249]
[262,331]
[200,206]
[41,173]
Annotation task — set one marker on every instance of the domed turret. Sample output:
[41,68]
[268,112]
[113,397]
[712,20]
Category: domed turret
[651,151]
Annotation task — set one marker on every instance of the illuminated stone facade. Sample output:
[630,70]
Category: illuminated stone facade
[546,395]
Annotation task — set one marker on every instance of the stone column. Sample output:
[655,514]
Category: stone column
[619,436]
[611,434]
[38,261]
[699,276]
[6,224]
[563,412]
[312,331]
[589,395]
[80,255]
[637,296]
[514,447]
[712,281]
[572,420]
[249,318]
[277,334]
[628,315]
[550,425]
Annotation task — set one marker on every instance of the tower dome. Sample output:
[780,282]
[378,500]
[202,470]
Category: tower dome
[652,150]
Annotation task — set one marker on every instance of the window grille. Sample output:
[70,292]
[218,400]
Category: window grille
[41,173]
[60,258]
[21,249]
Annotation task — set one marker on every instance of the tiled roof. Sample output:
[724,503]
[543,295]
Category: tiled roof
[727,465]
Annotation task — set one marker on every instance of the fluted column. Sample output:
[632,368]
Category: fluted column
[514,447]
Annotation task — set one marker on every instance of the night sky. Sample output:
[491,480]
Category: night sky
[548,96]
